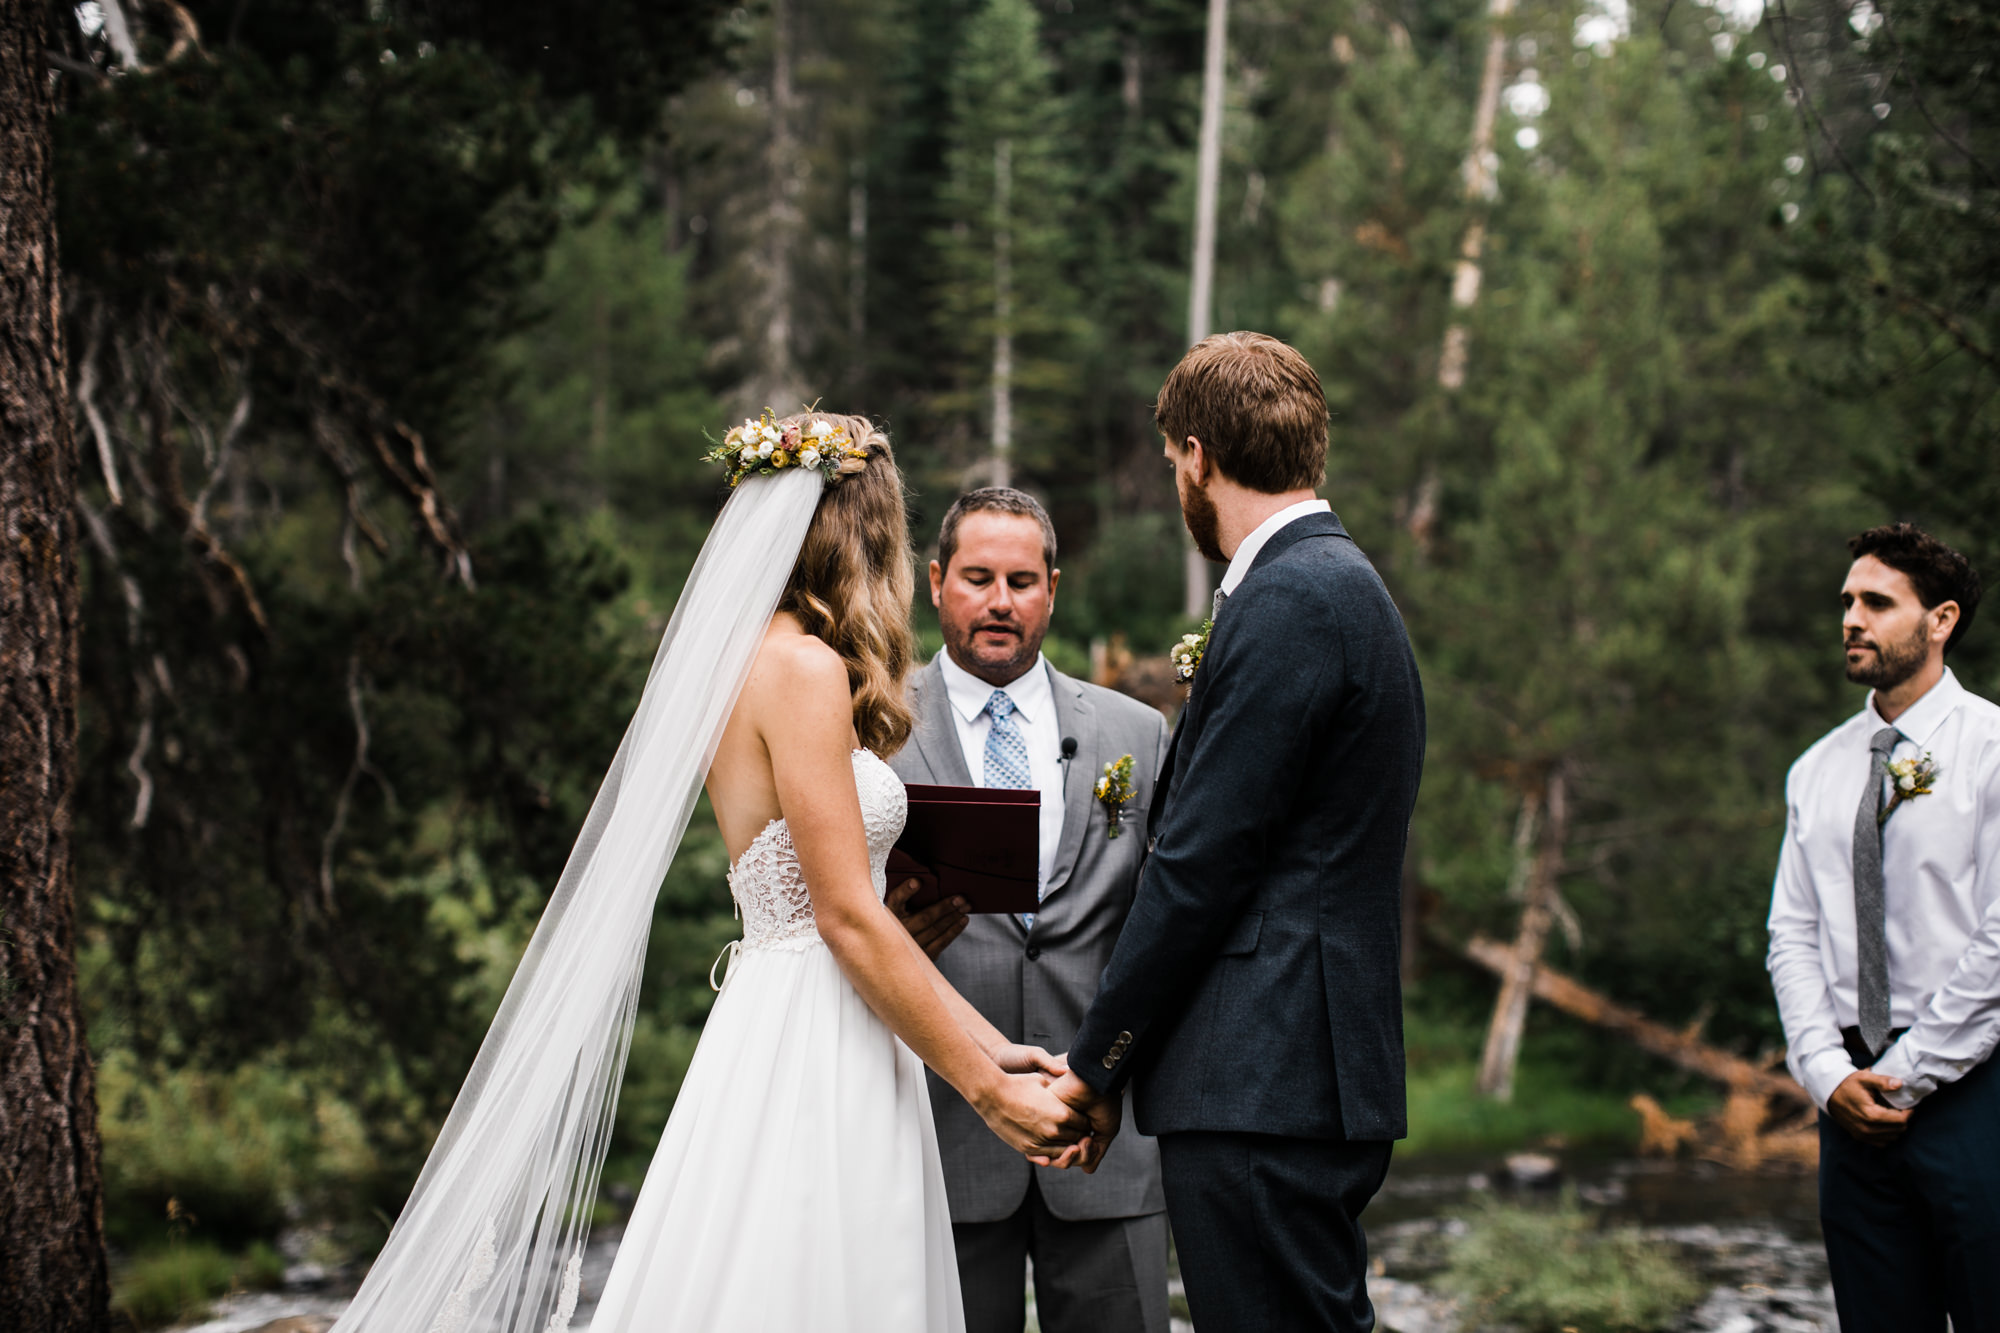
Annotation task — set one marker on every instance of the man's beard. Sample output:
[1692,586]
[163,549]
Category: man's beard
[1203,523]
[1894,663]
[1006,667]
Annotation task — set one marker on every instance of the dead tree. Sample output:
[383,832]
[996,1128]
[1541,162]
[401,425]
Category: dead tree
[52,1265]
[1545,806]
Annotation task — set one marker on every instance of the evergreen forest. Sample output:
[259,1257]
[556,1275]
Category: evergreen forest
[396,330]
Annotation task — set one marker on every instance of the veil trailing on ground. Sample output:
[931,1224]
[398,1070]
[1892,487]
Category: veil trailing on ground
[492,1237]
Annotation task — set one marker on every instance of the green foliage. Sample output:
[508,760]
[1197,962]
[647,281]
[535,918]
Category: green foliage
[1552,1269]
[173,1285]
[233,1151]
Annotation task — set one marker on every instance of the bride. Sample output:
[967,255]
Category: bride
[797,1185]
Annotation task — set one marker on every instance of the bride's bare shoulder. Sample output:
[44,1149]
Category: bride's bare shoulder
[800,668]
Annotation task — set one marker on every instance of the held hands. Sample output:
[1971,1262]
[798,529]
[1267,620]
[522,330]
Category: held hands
[1103,1113]
[1031,1119]
[931,927]
[1857,1107]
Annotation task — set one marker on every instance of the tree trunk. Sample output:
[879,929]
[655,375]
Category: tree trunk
[1201,285]
[1510,1012]
[857,284]
[1002,470]
[52,1267]
[775,381]
[1479,190]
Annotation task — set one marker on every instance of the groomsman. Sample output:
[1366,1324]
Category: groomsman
[992,712]
[1885,952]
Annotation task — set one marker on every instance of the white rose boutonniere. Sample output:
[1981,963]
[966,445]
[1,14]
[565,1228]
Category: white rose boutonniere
[1909,779]
[1186,655]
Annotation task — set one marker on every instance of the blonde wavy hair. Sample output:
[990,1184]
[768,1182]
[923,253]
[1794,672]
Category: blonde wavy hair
[852,585]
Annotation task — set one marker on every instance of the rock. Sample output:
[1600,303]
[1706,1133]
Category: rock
[298,1323]
[1405,1307]
[306,1274]
[1533,1170]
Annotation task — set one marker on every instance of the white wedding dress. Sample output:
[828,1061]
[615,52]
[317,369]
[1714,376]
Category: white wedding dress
[797,1188]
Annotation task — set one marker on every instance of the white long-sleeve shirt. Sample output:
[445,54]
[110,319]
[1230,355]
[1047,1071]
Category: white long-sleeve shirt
[1941,883]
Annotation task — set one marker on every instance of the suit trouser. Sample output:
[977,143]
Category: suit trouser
[1268,1229]
[1913,1228]
[1100,1275]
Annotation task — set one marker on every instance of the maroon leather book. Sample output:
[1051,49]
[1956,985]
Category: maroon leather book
[982,844]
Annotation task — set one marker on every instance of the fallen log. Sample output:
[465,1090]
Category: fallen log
[1684,1048]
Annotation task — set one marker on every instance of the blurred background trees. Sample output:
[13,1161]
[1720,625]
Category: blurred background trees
[395,329]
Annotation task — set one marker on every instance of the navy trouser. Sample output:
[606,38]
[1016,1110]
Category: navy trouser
[1268,1229]
[1913,1229]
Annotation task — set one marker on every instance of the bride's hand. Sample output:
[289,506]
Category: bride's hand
[1018,1059]
[1029,1118]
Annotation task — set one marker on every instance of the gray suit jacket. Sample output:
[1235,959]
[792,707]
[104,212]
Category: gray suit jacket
[1035,987]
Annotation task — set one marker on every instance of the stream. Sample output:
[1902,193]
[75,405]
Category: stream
[1753,1238]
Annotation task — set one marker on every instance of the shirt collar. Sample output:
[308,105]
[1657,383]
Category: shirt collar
[968,693]
[1246,554]
[1920,719]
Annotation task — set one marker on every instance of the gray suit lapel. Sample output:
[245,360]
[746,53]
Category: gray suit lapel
[936,735]
[1077,720]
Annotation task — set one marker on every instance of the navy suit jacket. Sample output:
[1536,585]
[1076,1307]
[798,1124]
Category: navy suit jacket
[1255,986]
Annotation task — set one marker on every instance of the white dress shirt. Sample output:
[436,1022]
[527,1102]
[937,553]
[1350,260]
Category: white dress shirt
[1941,884]
[1035,716]
[1246,554]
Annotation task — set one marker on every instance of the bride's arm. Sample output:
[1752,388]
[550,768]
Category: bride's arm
[809,744]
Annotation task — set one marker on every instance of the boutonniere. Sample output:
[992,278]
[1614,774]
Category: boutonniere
[1114,793]
[1186,655]
[1908,779]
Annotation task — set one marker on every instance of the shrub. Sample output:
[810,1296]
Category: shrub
[174,1284]
[1552,1269]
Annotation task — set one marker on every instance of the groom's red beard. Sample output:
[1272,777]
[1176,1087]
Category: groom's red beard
[1203,524]
[1888,666]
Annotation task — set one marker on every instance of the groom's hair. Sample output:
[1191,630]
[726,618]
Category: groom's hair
[1938,573]
[1256,406]
[994,500]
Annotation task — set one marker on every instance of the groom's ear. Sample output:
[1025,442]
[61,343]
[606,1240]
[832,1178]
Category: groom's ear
[1198,459]
[937,582]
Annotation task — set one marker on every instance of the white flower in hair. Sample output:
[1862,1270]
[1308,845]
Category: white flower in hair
[809,457]
[765,446]
[749,454]
[819,430]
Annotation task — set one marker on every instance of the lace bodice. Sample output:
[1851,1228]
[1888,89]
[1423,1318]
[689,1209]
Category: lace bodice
[770,889]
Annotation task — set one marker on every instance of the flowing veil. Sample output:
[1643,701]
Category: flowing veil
[492,1236]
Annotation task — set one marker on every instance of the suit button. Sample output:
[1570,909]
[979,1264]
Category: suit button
[1110,1062]
[1124,1039]
[1034,952]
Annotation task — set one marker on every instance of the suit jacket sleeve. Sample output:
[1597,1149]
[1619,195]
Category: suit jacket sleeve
[1276,668]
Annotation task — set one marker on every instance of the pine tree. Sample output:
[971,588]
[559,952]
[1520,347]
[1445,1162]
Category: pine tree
[1002,308]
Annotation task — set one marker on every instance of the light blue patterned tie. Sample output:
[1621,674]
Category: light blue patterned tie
[1007,760]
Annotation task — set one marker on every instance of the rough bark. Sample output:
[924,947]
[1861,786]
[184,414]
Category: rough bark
[52,1265]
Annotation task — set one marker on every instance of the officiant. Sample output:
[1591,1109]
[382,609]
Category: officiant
[993,712]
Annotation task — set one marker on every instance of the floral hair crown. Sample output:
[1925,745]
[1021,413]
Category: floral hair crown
[763,447]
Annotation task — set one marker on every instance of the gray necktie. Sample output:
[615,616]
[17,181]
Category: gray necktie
[1871,938]
[1215,607]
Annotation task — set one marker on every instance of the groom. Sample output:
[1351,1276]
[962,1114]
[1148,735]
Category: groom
[1253,999]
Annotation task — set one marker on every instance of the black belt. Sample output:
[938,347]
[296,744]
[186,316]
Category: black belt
[1857,1049]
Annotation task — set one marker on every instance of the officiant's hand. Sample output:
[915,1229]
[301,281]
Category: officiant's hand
[1031,1060]
[1029,1118]
[931,927]
[1104,1114]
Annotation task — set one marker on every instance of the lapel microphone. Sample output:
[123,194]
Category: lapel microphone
[1068,753]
